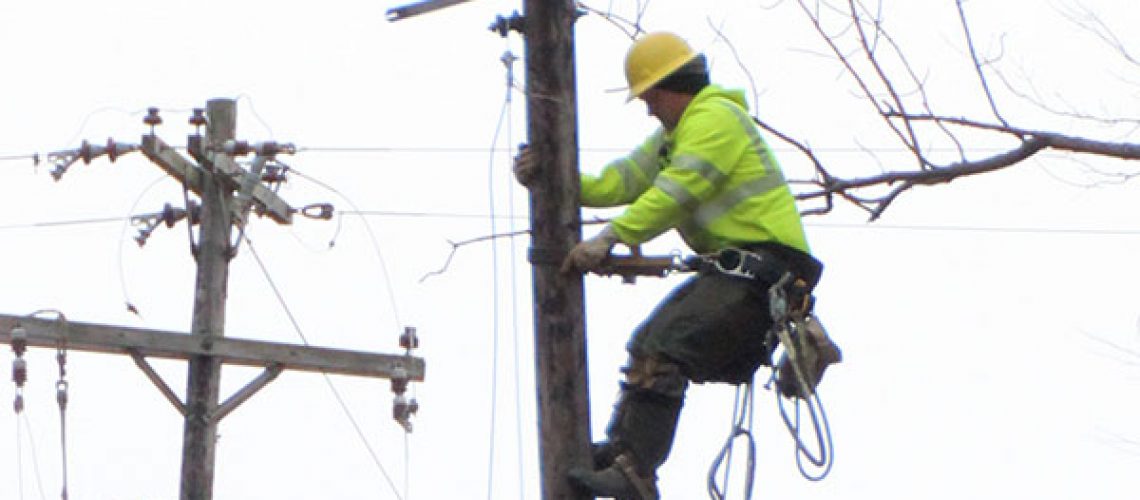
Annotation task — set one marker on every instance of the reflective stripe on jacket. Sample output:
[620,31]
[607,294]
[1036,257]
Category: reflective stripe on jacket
[712,178]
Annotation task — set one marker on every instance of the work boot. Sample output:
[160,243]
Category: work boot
[640,435]
[643,426]
[621,481]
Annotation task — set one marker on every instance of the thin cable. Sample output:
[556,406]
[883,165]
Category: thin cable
[511,217]
[371,236]
[72,222]
[126,224]
[446,215]
[820,225]
[300,333]
[35,157]
[981,229]
[63,444]
[407,468]
[19,462]
[256,115]
[35,457]
[494,294]
[599,149]
[387,282]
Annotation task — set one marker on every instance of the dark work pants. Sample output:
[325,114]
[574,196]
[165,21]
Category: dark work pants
[712,326]
[710,329]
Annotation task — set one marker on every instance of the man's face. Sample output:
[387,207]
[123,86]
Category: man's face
[659,105]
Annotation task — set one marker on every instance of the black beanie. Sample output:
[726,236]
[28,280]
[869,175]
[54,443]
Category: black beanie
[688,79]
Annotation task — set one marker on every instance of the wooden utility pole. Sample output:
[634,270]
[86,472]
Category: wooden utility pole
[200,431]
[214,177]
[555,224]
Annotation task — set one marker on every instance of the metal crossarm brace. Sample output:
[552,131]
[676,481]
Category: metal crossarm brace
[274,206]
[172,163]
[180,168]
[239,397]
[156,379]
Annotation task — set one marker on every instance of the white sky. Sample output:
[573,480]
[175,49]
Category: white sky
[977,361]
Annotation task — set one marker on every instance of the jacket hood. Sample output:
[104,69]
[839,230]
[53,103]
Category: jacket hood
[713,90]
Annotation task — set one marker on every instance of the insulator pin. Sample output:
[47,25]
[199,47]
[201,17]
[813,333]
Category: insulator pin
[61,394]
[19,340]
[399,380]
[19,372]
[409,340]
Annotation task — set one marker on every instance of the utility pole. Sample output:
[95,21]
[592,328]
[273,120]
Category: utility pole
[215,177]
[200,431]
[555,224]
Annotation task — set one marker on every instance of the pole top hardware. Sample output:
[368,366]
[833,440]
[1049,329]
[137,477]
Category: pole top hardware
[504,25]
[414,9]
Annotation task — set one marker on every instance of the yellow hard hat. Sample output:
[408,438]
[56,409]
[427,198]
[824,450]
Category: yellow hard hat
[652,58]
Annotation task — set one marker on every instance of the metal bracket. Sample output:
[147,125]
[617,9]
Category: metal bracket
[271,372]
[156,379]
[414,9]
[504,25]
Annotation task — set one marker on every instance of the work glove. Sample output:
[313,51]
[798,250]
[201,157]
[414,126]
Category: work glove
[588,255]
[526,166]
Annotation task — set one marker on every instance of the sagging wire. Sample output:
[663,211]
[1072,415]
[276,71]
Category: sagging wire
[742,414]
[19,376]
[32,450]
[371,236]
[19,462]
[126,224]
[328,380]
[508,59]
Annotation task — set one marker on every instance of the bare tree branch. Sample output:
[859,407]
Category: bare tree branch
[978,65]
[456,245]
[864,31]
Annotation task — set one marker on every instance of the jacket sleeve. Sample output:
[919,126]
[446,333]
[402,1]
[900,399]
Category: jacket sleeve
[624,179]
[707,145]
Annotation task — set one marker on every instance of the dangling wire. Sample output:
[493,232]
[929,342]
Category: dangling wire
[35,456]
[19,462]
[508,59]
[61,398]
[742,412]
[61,395]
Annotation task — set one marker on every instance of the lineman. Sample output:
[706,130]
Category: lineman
[708,174]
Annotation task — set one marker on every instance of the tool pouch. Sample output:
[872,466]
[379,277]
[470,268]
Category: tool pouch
[807,357]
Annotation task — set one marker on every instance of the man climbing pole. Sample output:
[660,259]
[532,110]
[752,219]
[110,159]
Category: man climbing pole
[708,174]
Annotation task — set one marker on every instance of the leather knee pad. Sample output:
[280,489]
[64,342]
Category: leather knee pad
[655,375]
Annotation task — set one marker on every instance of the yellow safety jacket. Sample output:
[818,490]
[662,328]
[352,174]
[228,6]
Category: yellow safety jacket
[712,178]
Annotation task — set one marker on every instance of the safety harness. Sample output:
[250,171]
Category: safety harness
[799,349]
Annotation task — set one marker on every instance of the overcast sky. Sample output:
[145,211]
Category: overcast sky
[990,327]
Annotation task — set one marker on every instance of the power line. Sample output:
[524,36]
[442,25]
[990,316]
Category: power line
[380,149]
[980,229]
[820,225]
[300,333]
